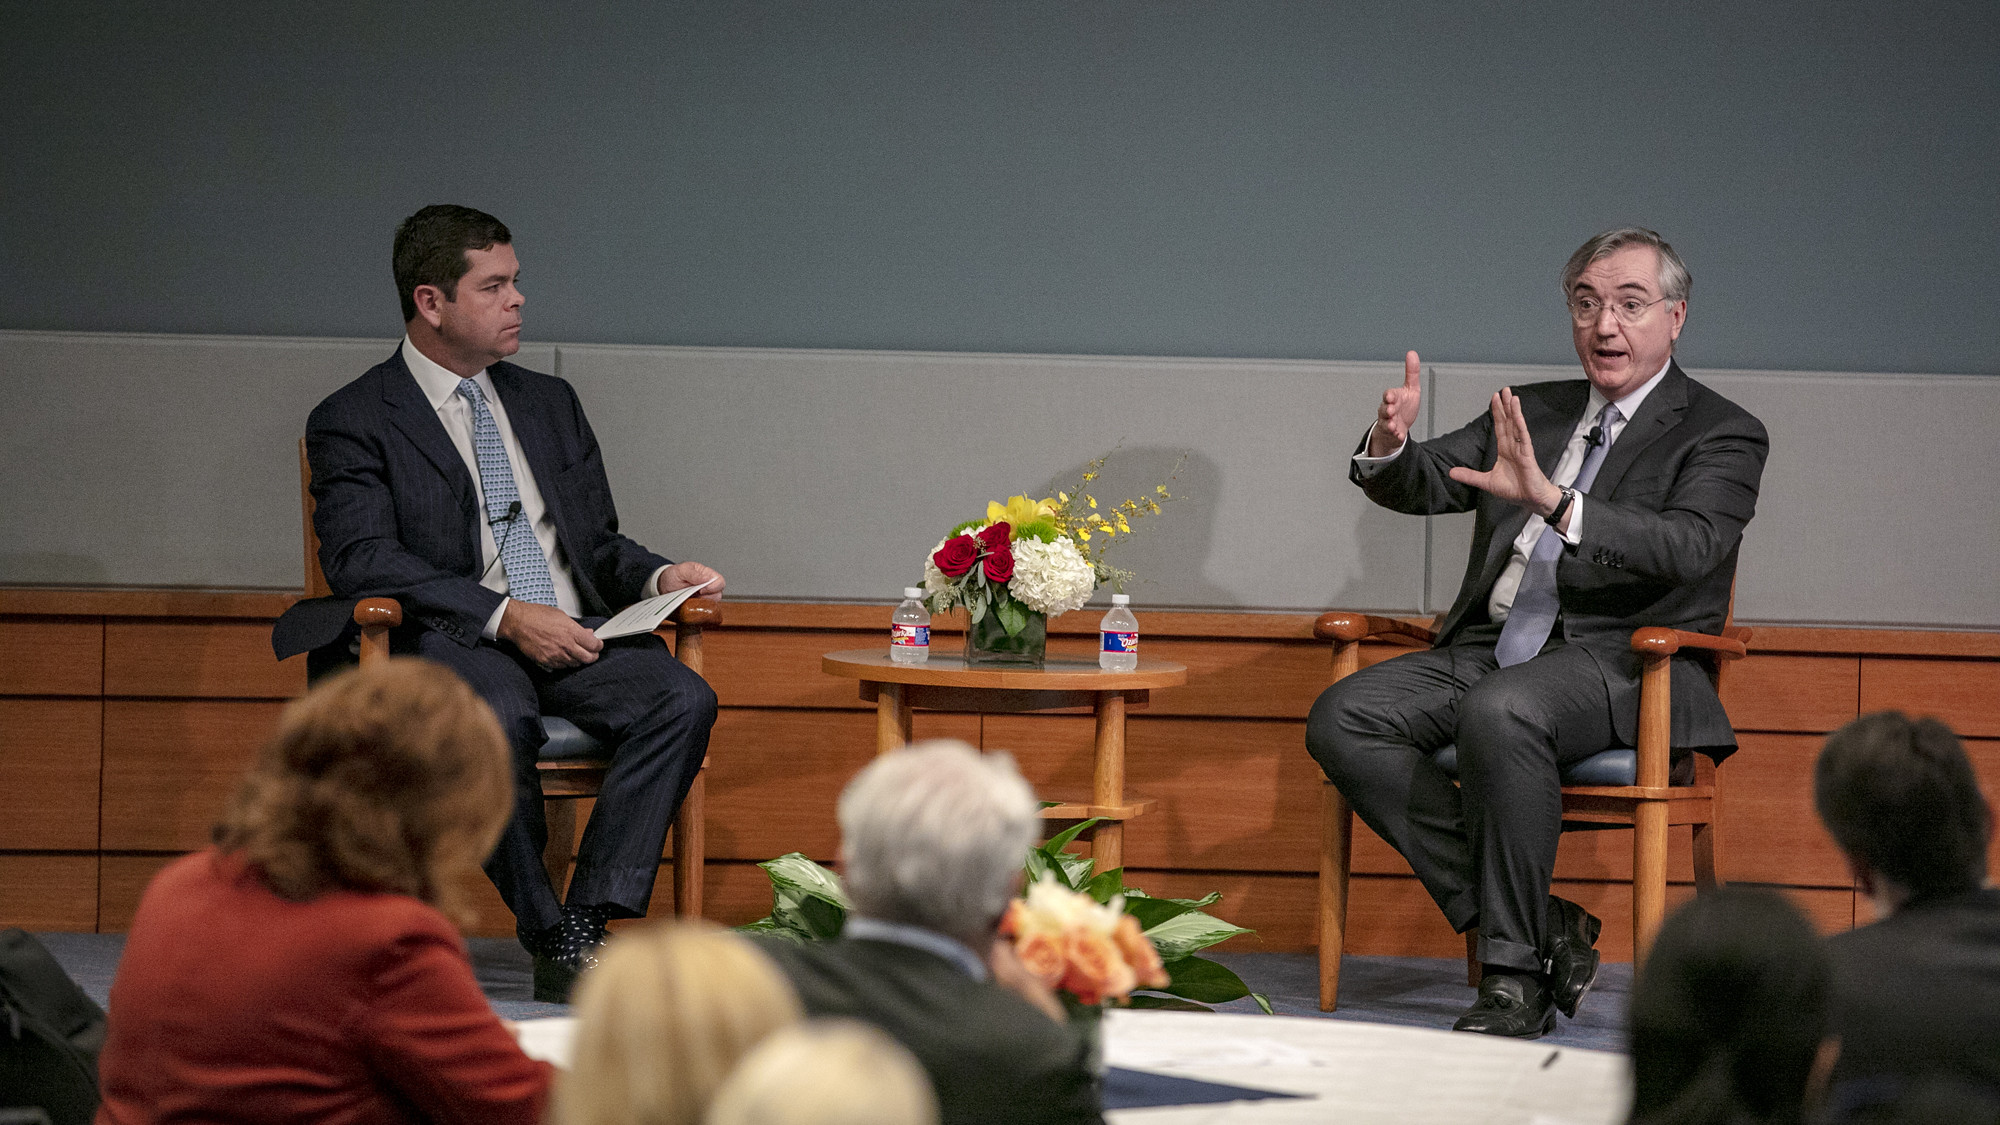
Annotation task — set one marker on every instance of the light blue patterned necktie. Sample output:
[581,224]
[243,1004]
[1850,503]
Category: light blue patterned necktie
[521,555]
[1533,615]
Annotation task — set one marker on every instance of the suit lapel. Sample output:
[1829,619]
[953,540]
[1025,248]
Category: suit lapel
[1660,412]
[413,414]
[531,430]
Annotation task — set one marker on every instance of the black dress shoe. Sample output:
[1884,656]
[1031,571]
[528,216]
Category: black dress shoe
[555,977]
[1511,1004]
[1572,931]
[565,951]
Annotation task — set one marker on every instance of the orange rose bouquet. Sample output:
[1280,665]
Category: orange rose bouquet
[1091,953]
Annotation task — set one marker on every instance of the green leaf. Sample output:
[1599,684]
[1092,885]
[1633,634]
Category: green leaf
[1039,865]
[806,899]
[1167,1003]
[793,871]
[1063,839]
[1190,933]
[1075,869]
[1102,886]
[1151,912]
[1198,978]
[1262,1002]
[975,603]
[1013,615]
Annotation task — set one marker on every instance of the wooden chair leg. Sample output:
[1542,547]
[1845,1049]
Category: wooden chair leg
[1336,840]
[690,846]
[1649,876]
[560,849]
[1704,857]
[1474,971]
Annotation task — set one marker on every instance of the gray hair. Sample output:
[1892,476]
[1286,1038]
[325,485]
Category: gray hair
[1675,280]
[933,835]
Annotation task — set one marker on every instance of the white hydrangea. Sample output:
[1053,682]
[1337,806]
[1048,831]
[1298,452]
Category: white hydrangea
[1051,578]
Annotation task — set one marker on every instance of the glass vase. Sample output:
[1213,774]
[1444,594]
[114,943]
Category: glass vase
[988,645]
[1087,1020]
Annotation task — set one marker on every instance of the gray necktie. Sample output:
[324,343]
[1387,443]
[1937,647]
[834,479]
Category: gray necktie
[1533,615]
[521,557]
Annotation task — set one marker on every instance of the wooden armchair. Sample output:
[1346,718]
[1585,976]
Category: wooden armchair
[572,763]
[1619,788]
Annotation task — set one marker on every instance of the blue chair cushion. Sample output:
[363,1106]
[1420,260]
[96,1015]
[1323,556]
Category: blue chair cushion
[568,743]
[1612,767]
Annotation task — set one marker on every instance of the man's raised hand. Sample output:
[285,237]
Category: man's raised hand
[1398,411]
[1516,476]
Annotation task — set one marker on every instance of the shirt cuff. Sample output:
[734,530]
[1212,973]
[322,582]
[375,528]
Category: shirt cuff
[1368,466]
[492,630]
[652,586]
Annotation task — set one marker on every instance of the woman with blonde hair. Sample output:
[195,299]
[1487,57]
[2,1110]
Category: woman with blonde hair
[827,1072]
[307,967]
[662,1020]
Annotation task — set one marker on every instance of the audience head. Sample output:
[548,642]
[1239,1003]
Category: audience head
[389,778]
[662,1020]
[934,835]
[829,1072]
[430,249]
[1900,798]
[1729,1013]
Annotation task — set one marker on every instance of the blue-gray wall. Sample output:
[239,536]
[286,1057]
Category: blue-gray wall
[1313,180]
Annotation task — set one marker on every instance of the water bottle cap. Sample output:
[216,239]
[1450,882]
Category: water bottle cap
[913,591]
[1121,599]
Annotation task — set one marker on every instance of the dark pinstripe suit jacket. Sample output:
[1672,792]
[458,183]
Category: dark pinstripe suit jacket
[398,516]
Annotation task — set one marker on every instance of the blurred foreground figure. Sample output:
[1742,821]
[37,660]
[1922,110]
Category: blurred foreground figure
[306,968]
[827,1072]
[1729,1015]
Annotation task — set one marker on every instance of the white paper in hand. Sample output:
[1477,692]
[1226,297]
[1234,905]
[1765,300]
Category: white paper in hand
[644,617]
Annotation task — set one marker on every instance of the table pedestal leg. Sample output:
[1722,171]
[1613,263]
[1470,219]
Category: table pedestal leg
[892,718]
[1108,788]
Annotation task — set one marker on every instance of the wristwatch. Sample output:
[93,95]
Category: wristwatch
[1562,506]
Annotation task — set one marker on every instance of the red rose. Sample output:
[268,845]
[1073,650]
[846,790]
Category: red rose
[998,537]
[1000,564]
[957,556]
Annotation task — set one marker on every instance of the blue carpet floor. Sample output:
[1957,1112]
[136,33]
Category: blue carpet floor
[1413,991]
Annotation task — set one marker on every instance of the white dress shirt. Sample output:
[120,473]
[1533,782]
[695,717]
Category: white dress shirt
[441,388]
[1501,599]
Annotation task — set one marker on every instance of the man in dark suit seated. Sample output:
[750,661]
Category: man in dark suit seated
[1917,993]
[1602,504]
[932,842]
[473,492]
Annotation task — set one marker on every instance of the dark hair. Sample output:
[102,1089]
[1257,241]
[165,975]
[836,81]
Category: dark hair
[1728,1013]
[431,245]
[391,778]
[1899,797]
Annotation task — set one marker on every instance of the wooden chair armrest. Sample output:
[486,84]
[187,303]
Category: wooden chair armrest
[698,613]
[1344,627]
[379,612]
[1656,640]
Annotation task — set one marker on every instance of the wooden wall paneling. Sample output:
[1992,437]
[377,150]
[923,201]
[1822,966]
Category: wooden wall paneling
[197,659]
[122,880]
[1963,693]
[1770,831]
[51,656]
[170,765]
[49,760]
[780,668]
[733,892]
[49,892]
[1242,679]
[1802,694]
[774,775]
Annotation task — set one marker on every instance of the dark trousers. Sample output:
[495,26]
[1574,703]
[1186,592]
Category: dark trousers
[1484,848]
[635,698]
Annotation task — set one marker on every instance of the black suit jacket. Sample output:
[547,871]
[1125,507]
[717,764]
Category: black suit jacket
[991,1056]
[1660,530]
[1918,993]
[398,516]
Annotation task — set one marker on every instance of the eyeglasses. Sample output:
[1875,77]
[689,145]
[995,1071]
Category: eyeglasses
[1629,310]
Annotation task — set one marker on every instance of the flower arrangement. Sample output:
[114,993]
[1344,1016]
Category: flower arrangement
[1090,952]
[1030,560]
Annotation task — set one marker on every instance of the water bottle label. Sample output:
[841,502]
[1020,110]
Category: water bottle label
[910,636]
[1120,642]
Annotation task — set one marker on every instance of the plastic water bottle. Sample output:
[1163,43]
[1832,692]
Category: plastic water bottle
[1118,637]
[910,629]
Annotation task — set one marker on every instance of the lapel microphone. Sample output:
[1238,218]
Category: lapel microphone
[1591,440]
[507,517]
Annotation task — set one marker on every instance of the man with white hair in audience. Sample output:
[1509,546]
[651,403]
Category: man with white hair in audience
[933,837]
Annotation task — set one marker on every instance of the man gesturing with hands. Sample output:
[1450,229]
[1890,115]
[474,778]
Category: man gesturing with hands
[473,491]
[1629,515]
